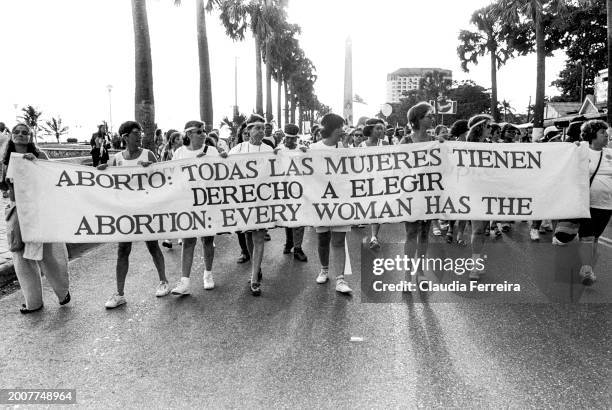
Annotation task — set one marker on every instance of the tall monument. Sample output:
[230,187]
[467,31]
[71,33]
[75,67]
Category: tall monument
[348,82]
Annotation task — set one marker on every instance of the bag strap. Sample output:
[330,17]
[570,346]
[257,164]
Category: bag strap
[596,169]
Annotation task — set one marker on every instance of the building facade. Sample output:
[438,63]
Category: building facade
[407,79]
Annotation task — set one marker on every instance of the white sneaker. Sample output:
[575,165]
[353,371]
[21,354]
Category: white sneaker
[587,275]
[114,301]
[342,286]
[162,289]
[209,281]
[323,276]
[534,234]
[182,287]
[547,225]
[557,242]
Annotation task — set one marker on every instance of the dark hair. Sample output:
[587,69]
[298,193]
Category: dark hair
[589,129]
[495,127]
[573,131]
[459,127]
[210,142]
[240,132]
[417,112]
[506,128]
[128,127]
[169,133]
[331,122]
[158,132]
[193,123]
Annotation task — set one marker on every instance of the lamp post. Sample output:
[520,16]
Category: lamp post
[110,108]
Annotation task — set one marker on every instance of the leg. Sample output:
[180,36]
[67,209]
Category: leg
[324,239]
[478,241]
[158,259]
[28,275]
[258,251]
[242,242]
[123,263]
[55,266]
[187,256]
[288,240]
[209,251]
[339,254]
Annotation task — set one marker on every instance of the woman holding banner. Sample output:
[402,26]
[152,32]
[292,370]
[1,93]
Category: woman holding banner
[29,259]
[255,239]
[132,156]
[480,130]
[600,169]
[420,118]
[374,131]
[332,133]
[196,149]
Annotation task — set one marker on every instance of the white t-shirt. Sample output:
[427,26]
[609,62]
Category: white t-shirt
[184,152]
[321,145]
[245,147]
[601,188]
[120,161]
[378,144]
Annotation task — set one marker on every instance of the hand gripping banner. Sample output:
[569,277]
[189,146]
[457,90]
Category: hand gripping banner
[61,202]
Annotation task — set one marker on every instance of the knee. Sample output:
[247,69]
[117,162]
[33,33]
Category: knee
[337,241]
[208,241]
[324,238]
[124,249]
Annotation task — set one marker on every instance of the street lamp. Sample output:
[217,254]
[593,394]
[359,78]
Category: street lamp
[110,108]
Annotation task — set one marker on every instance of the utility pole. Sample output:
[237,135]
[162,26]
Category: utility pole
[348,82]
[110,109]
[235,87]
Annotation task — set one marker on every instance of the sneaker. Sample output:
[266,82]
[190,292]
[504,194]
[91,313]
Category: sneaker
[162,289]
[374,244]
[587,276]
[267,237]
[557,242]
[342,286]
[287,250]
[243,258]
[298,254]
[167,244]
[437,231]
[547,225]
[182,287]
[542,229]
[255,288]
[323,276]
[209,281]
[496,232]
[114,301]
[534,234]
[505,228]
[443,225]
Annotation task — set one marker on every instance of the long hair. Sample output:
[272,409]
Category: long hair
[31,147]
[477,126]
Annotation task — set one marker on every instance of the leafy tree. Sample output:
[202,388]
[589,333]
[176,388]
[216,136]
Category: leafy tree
[582,33]
[535,16]
[55,127]
[489,39]
[31,117]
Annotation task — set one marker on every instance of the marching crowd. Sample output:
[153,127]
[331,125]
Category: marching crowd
[254,136]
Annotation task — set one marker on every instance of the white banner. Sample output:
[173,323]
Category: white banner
[61,202]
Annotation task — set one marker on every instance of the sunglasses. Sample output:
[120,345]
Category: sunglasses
[198,131]
[22,132]
[358,135]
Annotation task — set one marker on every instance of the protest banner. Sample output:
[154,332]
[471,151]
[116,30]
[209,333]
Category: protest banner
[61,202]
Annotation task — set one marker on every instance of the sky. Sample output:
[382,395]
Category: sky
[61,55]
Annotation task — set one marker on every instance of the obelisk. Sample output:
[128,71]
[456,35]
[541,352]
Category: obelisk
[348,82]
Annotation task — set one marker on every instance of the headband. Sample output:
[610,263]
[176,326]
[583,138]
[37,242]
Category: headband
[255,122]
[191,129]
[479,123]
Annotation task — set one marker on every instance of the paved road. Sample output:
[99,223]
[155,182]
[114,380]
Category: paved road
[292,347]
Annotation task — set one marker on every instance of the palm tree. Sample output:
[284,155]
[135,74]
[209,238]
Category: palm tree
[609,10]
[206,100]
[533,11]
[487,40]
[144,104]
[507,109]
[30,117]
[55,127]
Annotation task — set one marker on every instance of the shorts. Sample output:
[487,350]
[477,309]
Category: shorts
[321,229]
[596,224]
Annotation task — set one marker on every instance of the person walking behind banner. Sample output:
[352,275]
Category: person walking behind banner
[5,137]
[99,146]
[166,154]
[29,259]
[420,118]
[255,239]
[480,130]
[332,133]
[600,169]
[458,132]
[132,156]
[242,135]
[196,149]
[293,236]
[374,131]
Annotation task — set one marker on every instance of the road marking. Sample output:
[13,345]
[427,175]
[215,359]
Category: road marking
[356,339]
